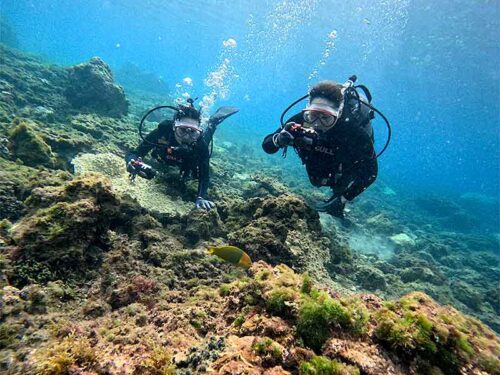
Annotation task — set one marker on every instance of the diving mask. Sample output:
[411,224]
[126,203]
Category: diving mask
[187,130]
[321,114]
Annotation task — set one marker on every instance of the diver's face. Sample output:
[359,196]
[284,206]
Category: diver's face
[321,114]
[187,130]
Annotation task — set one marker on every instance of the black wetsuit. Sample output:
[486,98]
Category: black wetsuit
[342,158]
[192,160]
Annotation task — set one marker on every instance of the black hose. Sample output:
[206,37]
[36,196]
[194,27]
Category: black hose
[354,92]
[141,124]
[288,108]
[389,128]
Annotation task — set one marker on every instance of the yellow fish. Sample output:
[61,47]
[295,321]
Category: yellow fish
[231,254]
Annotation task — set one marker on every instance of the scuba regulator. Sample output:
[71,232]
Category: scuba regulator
[357,105]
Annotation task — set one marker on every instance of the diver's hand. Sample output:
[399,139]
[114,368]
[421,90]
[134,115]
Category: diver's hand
[204,204]
[334,206]
[285,136]
[130,167]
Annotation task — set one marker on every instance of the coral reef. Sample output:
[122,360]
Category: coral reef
[91,88]
[150,194]
[65,232]
[267,323]
[101,275]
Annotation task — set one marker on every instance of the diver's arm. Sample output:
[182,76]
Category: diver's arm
[145,146]
[274,141]
[204,175]
[269,144]
[164,129]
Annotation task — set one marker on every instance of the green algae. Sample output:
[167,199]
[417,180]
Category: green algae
[443,340]
[81,209]
[238,322]
[157,362]
[71,351]
[316,319]
[9,334]
[266,346]
[320,365]
[279,300]
[320,314]
[29,146]
[307,284]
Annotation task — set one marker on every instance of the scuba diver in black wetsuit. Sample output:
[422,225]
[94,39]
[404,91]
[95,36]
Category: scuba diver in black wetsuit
[182,142]
[333,137]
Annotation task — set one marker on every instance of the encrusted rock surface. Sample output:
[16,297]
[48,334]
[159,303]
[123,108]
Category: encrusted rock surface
[91,88]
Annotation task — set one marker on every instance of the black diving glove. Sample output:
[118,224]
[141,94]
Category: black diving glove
[137,167]
[294,134]
[204,204]
[334,206]
[284,137]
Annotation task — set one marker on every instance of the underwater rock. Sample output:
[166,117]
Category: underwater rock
[27,145]
[369,358]
[91,88]
[68,144]
[36,297]
[68,235]
[371,278]
[39,113]
[27,83]
[12,303]
[150,194]
[402,240]
[17,182]
[465,294]
[202,224]
[438,206]
[460,221]
[262,186]
[260,324]
[438,250]
[10,206]
[425,274]
[4,149]
[139,288]
[381,223]
[281,229]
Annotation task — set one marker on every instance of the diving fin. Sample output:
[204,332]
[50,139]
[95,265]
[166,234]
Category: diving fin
[221,114]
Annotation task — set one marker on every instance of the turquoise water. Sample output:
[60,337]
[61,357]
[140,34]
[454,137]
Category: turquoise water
[431,67]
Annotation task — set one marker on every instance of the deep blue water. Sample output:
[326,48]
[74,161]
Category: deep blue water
[432,67]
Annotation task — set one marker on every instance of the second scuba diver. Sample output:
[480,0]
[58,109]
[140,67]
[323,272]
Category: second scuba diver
[333,137]
[182,142]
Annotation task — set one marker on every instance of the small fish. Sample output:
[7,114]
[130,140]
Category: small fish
[231,254]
